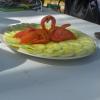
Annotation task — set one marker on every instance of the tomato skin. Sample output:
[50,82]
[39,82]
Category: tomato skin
[65,25]
[42,41]
[20,34]
[36,36]
[26,39]
[46,19]
[24,32]
[42,37]
[61,34]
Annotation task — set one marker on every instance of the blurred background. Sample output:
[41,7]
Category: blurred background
[57,5]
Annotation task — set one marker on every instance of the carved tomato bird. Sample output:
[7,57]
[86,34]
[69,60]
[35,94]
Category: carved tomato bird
[44,35]
[58,33]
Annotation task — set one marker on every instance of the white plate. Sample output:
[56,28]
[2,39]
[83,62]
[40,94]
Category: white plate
[74,56]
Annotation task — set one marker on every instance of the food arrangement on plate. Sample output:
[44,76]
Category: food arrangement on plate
[49,41]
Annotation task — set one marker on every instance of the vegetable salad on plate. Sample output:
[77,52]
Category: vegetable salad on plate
[57,42]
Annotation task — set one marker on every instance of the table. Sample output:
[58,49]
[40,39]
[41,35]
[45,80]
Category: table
[28,78]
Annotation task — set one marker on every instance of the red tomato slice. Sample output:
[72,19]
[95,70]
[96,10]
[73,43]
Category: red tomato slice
[20,34]
[61,35]
[42,37]
[24,32]
[26,39]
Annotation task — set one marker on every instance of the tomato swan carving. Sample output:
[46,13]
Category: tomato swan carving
[58,33]
[44,35]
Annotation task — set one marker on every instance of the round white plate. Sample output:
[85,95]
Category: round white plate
[23,51]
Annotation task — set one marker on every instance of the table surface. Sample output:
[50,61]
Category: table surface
[28,78]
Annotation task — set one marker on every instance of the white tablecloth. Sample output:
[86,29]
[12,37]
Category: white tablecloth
[29,78]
